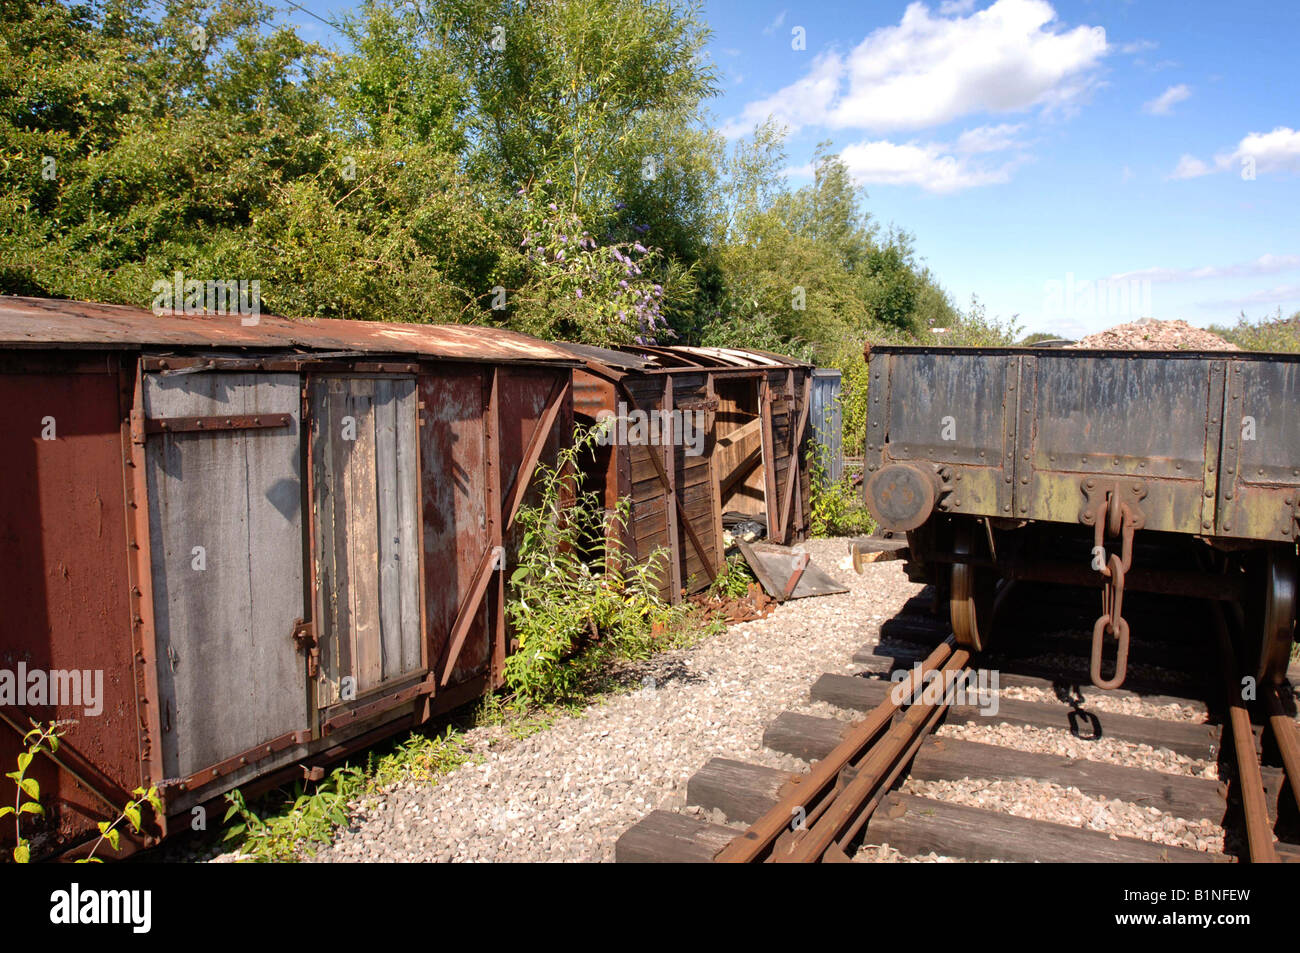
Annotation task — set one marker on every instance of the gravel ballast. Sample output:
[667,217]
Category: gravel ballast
[567,793]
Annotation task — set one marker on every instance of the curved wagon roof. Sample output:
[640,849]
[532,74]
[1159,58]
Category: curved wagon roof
[45,322]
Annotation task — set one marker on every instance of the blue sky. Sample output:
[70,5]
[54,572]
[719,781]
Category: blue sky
[1076,164]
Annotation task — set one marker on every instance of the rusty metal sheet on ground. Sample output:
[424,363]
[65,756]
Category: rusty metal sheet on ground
[774,566]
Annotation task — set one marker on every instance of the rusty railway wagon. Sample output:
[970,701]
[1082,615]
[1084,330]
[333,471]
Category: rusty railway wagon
[274,543]
[746,460]
[1170,472]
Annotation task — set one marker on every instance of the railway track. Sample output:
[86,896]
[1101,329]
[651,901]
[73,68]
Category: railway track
[851,797]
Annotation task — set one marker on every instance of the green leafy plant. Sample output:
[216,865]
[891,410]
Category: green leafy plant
[310,820]
[44,738]
[836,509]
[734,580]
[132,813]
[575,605]
[27,791]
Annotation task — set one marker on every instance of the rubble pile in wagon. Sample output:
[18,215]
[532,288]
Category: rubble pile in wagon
[1150,334]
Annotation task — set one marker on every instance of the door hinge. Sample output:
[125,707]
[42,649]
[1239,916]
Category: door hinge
[304,636]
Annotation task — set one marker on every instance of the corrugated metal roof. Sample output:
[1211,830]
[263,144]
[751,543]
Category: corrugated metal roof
[633,358]
[36,322]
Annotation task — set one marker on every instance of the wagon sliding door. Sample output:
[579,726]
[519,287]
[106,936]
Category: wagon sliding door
[225,530]
[365,489]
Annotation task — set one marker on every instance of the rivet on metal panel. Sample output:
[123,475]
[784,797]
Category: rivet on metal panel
[1205,524]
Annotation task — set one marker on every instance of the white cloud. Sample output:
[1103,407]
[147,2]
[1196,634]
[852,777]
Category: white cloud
[949,7]
[931,69]
[988,139]
[775,24]
[1161,105]
[1137,46]
[1282,294]
[1190,167]
[930,166]
[1268,264]
[1276,151]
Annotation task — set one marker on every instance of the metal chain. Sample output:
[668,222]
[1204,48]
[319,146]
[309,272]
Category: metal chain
[1116,517]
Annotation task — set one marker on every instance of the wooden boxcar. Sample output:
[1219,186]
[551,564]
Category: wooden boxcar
[753,408]
[271,543]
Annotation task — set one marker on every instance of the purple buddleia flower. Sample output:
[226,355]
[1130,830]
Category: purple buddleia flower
[551,206]
[578,293]
[639,248]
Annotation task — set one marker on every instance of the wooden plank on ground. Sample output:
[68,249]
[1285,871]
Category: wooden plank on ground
[951,759]
[663,837]
[915,825]
[1185,738]
[743,792]
[807,737]
[1016,673]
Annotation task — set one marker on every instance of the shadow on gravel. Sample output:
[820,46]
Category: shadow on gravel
[656,673]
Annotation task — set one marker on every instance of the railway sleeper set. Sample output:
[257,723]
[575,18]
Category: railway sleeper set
[1174,473]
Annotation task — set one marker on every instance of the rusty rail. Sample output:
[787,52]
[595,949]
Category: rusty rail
[1259,832]
[829,837]
[1288,743]
[827,807]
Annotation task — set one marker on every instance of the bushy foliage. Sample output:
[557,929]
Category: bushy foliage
[1274,333]
[574,603]
[836,508]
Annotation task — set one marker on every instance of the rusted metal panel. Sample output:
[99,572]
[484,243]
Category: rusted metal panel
[1205,438]
[225,520]
[367,533]
[26,322]
[953,411]
[453,490]
[64,585]
[1260,447]
[1095,417]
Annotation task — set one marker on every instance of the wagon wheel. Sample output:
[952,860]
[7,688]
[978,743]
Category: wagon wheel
[1279,616]
[970,601]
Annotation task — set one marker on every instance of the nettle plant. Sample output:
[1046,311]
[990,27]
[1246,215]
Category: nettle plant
[581,288]
[44,739]
[575,605]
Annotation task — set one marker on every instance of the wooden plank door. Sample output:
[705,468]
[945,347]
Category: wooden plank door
[223,456]
[366,529]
